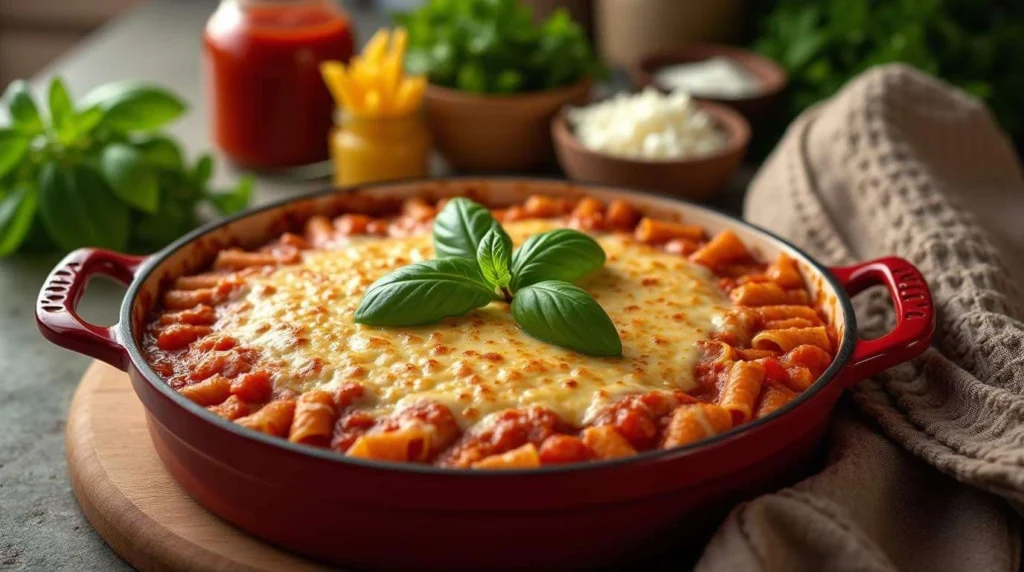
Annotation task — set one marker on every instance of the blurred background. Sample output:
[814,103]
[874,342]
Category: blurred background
[977,44]
[33,33]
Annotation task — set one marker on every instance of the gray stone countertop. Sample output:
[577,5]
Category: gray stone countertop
[41,525]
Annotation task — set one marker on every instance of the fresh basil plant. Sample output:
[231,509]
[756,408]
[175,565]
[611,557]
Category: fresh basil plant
[100,173]
[477,266]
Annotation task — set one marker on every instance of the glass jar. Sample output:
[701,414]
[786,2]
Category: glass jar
[270,107]
[371,149]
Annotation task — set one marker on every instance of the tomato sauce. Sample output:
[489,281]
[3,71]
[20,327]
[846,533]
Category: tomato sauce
[270,107]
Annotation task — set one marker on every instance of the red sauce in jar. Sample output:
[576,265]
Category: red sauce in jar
[271,108]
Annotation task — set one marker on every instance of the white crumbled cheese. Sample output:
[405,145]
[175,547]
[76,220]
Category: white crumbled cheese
[647,125]
[720,78]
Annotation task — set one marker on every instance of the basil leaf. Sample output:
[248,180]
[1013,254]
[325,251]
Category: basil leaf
[78,209]
[175,218]
[87,120]
[161,152]
[494,257]
[203,171]
[13,147]
[565,315]
[178,184]
[62,113]
[234,200]
[17,211]
[459,228]
[562,254]
[424,293]
[130,177]
[37,240]
[132,106]
[22,107]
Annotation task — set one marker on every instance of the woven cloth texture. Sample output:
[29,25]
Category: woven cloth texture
[926,459]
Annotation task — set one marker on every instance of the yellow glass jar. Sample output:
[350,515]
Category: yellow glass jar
[371,149]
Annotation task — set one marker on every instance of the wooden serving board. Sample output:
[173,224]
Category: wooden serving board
[134,503]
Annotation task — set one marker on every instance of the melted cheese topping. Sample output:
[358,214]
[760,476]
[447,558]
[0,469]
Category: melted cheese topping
[301,317]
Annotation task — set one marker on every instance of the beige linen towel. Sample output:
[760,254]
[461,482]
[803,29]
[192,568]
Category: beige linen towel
[923,458]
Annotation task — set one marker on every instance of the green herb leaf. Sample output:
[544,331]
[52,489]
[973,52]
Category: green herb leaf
[13,146]
[495,46]
[203,171]
[494,257]
[87,120]
[562,254]
[175,217]
[508,81]
[132,106]
[132,179]
[78,209]
[17,210]
[62,112]
[161,152]
[459,228]
[22,106]
[37,240]
[234,200]
[565,315]
[472,78]
[424,293]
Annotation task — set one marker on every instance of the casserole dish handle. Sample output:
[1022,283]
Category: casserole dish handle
[915,318]
[56,308]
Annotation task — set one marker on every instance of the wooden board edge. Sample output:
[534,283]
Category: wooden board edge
[127,534]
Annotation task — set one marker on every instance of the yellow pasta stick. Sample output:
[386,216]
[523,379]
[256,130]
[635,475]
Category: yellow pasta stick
[388,84]
[399,41]
[365,74]
[334,76]
[410,91]
[373,104]
[392,67]
[402,95]
[375,48]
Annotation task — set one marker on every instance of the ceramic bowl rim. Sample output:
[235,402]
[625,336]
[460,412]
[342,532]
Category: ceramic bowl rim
[643,71]
[732,122]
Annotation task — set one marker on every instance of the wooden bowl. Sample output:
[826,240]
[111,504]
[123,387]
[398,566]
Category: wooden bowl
[694,178]
[772,77]
[478,132]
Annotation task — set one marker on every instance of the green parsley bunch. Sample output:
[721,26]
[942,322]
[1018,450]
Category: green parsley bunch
[493,46]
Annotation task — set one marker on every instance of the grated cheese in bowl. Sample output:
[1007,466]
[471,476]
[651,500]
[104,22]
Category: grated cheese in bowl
[721,78]
[647,125]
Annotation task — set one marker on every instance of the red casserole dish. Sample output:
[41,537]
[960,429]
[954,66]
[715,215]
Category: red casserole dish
[388,515]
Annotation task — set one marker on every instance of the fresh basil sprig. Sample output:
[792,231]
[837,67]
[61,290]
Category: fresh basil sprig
[100,173]
[476,266]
